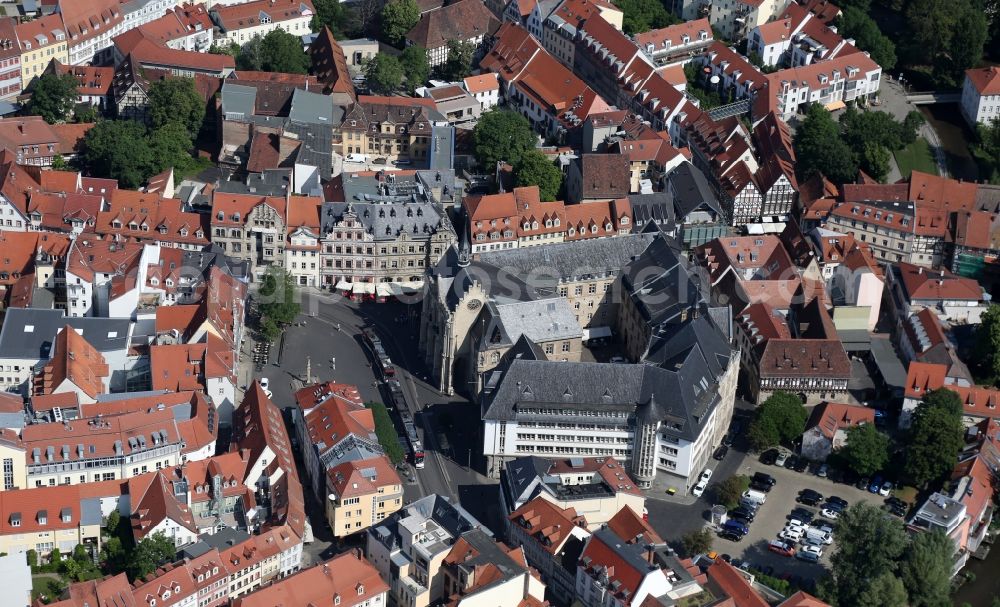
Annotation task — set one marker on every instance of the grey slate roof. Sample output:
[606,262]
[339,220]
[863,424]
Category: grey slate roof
[657,207]
[439,186]
[539,320]
[661,284]
[238,99]
[593,257]
[314,108]
[691,192]
[387,221]
[28,333]
[272,182]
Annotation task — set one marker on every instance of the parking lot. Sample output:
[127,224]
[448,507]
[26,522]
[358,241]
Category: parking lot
[773,514]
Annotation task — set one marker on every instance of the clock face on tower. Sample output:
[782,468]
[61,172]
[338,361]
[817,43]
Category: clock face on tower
[474,304]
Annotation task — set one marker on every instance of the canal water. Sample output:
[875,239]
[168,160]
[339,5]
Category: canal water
[986,587]
[955,136]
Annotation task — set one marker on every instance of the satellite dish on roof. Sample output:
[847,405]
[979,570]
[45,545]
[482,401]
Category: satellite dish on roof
[714,80]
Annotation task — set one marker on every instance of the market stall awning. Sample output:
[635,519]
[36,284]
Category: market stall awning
[833,106]
[383,289]
[364,288]
[343,285]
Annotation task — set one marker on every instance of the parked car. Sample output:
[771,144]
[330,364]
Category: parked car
[839,509]
[802,514]
[817,550]
[727,440]
[791,462]
[809,557]
[760,487]
[706,475]
[833,499]
[782,548]
[766,479]
[781,458]
[720,453]
[795,522]
[809,497]
[736,526]
[743,512]
[769,457]
[356,158]
[875,485]
[831,514]
[885,489]
[699,489]
[732,536]
[801,465]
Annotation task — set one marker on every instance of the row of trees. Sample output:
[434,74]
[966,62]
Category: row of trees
[861,140]
[386,74]
[877,564]
[130,152]
[278,302]
[506,136]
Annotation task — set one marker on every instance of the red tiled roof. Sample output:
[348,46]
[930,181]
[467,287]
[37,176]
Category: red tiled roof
[833,417]
[29,506]
[481,83]
[936,285]
[547,523]
[234,209]
[329,63]
[974,229]
[46,28]
[362,477]
[247,14]
[304,211]
[628,525]
[462,20]
[148,54]
[341,415]
[349,577]
[675,33]
[816,358]
[76,361]
[986,80]
[732,583]
[154,218]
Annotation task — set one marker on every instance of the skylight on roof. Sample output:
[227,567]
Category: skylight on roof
[112,334]
[29,328]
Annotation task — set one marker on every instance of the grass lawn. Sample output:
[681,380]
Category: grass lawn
[916,157]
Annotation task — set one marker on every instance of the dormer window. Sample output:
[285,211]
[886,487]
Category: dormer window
[556,222]
[154,281]
[184,232]
[336,599]
[361,589]
[220,216]
[116,224]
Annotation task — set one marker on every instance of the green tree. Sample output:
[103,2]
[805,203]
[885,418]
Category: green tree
[153,551]
[32,556]
[384,74]
[80,553]
[459,63]
[935,438]
[119,149]
[53,97]
[386,433]
[112,521]
[986,149]
[251,54]
[84,112]
[926,569]
[729,491]
[282,304]
[780,418]
[171,146]
[885,590]
[867,449]
[643,15]
[948,35]
[819,148]
[869,544]
[175,100]
[502,135]
[332,14]
[535,169]
[282,52]
[398,18]
[875,160]
[988,345]
[856,23]
[697,542]
[415,65]
[232,49]
[55,556]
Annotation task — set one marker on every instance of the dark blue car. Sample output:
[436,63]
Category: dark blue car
[876,484]
[737,526]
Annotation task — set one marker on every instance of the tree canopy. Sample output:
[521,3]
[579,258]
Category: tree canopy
[819,148]
[53,97]
[415,65]
[282,52]
[383,74]
[459,63]
[868,545]
[535,169]
[502,135]
[885,590]
[926,569]
[153,551]
[279,302]
[986,149]
[398,18]
[697,542]
[643,15]
[119,149]
[175,100]
[867,449]
[779,419]
[729,491]
[854,22]
[988,345]
[935,438]
[946,35]
[335,15]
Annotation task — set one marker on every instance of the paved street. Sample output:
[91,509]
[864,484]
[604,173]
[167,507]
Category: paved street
[339,355]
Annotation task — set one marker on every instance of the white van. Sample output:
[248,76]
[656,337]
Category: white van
[814,533]
[752,495]
[356,158]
